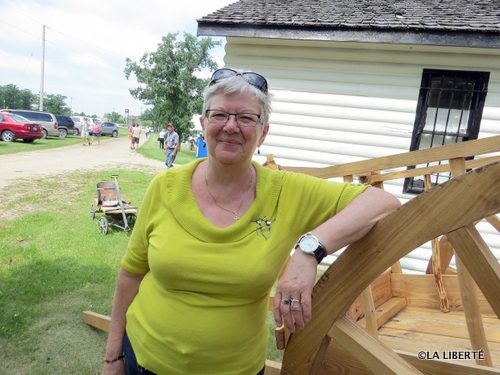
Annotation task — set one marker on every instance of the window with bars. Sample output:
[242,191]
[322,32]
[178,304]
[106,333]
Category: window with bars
[449,110]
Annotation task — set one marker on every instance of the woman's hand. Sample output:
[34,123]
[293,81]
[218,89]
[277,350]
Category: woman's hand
[114,368]
[292,302]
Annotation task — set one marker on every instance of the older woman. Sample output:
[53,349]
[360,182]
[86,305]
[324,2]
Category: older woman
[213,236]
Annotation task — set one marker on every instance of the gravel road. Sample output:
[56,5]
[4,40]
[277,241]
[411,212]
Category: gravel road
[112,152]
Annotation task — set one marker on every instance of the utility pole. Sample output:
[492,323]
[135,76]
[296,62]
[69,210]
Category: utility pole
[40,106]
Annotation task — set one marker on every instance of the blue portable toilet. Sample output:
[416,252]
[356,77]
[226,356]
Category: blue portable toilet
[201,148]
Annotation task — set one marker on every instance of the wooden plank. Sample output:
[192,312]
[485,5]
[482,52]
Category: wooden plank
[372,353]
[494,221]
[419,291]
[469,293]
[369,309]
[435,367]
[476,163]
[457,150]
[381,291]
[96,320]
[435,322]
[479,261]
[272,367]
[340,361]
[387,242]
[413,342]
[436,262]
[387,311]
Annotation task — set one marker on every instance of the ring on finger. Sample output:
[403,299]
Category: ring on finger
[286,301]
[295,304]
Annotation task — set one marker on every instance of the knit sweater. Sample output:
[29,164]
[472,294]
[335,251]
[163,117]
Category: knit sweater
[202,305]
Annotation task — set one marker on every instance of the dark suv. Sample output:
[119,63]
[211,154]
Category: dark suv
[66,126]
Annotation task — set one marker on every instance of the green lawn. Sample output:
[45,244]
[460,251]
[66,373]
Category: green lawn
[38,144]
[53,265]
[42,144]
[151,149]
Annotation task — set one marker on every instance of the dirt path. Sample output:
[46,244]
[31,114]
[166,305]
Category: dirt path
[112,152]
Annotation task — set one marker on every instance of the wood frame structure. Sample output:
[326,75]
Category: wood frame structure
[359,294]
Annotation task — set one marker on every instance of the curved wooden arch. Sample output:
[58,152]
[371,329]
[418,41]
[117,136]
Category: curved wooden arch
[391,239]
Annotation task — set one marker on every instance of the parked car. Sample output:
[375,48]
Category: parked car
[47,120]
[13,126]
[109,128]
[78,124]
[65,125]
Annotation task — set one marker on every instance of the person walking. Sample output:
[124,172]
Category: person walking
[136,135]
[96,132]
[161,138]
[172,145]
[193,287]
[84,131]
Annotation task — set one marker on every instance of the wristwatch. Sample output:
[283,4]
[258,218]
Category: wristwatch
[310,244]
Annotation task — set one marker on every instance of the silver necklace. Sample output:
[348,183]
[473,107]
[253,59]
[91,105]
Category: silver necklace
[236,215]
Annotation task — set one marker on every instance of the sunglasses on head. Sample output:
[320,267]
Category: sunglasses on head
[252,78]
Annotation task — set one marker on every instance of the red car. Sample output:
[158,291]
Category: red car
[13,126]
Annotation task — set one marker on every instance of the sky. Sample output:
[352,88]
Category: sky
[86,44]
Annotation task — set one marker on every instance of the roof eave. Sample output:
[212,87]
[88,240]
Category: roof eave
[439,38]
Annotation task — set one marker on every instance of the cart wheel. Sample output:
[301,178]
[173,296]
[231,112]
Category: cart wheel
[131,220]
[102,225]
[92,212]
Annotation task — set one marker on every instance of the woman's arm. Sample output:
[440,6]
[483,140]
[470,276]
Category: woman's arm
[349,225]
[127,286]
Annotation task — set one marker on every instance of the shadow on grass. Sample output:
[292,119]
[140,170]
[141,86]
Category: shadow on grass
[28,289]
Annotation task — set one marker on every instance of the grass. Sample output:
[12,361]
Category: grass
[43,144]
[39,144]
[152,150]
[54,265]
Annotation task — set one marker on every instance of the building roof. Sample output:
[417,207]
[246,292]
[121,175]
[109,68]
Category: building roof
[469,23]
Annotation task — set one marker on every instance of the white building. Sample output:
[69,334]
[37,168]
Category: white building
[353,80]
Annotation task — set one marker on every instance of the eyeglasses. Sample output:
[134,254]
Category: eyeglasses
[252,78]
[217,117]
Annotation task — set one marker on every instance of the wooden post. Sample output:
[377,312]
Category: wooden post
[468,292]
[436,262]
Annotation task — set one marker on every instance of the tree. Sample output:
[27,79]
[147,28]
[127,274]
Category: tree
[56,104]
[14,98]
[115,117]
[168,82]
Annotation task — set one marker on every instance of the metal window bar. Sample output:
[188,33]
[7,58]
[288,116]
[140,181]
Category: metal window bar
[445,97]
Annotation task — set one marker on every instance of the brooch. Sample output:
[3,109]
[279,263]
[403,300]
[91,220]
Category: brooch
[264,226]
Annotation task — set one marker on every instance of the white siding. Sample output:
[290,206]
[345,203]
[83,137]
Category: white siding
[337,102]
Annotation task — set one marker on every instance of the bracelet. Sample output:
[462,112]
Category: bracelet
[105,360]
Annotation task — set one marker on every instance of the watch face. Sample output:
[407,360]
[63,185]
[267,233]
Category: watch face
[308,243]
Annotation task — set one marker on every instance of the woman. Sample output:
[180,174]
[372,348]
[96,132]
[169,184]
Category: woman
[211,239]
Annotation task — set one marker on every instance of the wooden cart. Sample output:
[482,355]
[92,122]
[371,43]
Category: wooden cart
[110,210]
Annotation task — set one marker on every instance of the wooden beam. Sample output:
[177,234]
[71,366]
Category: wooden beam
[387,242]
[419,291]
[468,291]
[96,320]
[457,150]
[476,163]
[439,367]
[369,310]
[272,367]
[494,221]
[479,261]
[386,311]
[374,355]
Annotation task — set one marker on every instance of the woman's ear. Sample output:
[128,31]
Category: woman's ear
[202,123]
[265,130]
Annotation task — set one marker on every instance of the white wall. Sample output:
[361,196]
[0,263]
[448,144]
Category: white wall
[337,102]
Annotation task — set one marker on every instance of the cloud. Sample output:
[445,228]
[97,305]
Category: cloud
[87,44]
